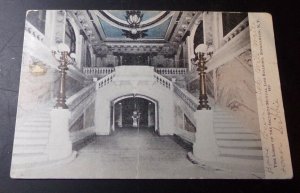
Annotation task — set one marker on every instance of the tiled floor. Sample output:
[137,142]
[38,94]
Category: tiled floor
[131,153]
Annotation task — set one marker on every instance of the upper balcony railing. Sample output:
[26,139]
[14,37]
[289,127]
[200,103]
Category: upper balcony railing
[235,31]
[105,80]
[163,81]
[171,71]
[32,30]
[103,71]
[98,71]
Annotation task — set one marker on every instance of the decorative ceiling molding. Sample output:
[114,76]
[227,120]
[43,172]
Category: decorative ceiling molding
[179,25]
[122,24]
[150,20]
[85,22]
[184,24]
[173,24]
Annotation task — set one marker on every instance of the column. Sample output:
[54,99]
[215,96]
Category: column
[79,47]
[93,58]
[120,121]
[190,50]
[217,29]
[177,56]
[55,27]
[185,54]
[148,60]
[150,114]
[121,60]
[215,85]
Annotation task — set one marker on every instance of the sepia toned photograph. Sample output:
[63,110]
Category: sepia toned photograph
[134,94]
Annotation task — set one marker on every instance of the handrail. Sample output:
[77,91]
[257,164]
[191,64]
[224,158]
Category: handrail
[105,80]
[163,81]
[80,101]
[187,97]
[73,101]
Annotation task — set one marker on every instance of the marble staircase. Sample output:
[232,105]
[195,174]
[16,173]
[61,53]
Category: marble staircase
[31,137]
[236,144]
[238,147]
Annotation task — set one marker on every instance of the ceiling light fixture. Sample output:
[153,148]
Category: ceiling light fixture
[134,19]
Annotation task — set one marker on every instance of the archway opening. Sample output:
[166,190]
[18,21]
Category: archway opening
[135,112]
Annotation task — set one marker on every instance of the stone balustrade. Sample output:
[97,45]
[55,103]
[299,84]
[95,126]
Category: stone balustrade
[105,80]
[171,71]
[79,101]
[34,31]
[188,98]
[163,81]
[98,71]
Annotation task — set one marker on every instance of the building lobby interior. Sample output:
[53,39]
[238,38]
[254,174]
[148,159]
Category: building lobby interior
[135,94]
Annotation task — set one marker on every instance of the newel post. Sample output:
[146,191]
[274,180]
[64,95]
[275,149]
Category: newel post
[59,144]
[205,147]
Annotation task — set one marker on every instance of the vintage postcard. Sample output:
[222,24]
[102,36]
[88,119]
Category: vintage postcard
[136,94]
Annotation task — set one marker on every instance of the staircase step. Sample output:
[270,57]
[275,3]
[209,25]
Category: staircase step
[223,113]
[243,136]
[32,128]
[40,119]
[228,127]
[28,158]
[37,123]
[31,141]
[223,117]
[231,132]
[224,120]
[22,149]
[239,143]
[32,134]
[235,130]
[42,115]
[245,157]
[240,152]
[240,147]
[227,124]
[236,139]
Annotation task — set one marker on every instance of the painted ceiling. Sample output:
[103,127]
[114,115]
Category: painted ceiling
[158,31]
[154,24]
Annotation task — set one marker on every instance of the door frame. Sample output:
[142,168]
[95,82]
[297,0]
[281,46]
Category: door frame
[116,100]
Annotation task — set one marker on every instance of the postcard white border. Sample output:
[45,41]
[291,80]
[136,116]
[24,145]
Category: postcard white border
[277,160]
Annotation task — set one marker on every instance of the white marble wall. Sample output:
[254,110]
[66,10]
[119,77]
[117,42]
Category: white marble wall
[138,81]
[236,89]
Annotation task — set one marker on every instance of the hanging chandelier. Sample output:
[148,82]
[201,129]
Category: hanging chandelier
[134,18]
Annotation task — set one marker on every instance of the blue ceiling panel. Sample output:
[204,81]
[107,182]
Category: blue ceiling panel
[121,14]
[110,31]
[157,32]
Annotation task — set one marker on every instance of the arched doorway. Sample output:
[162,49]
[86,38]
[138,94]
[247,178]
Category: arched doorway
[125,108]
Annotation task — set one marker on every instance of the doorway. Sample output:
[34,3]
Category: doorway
[134,111]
